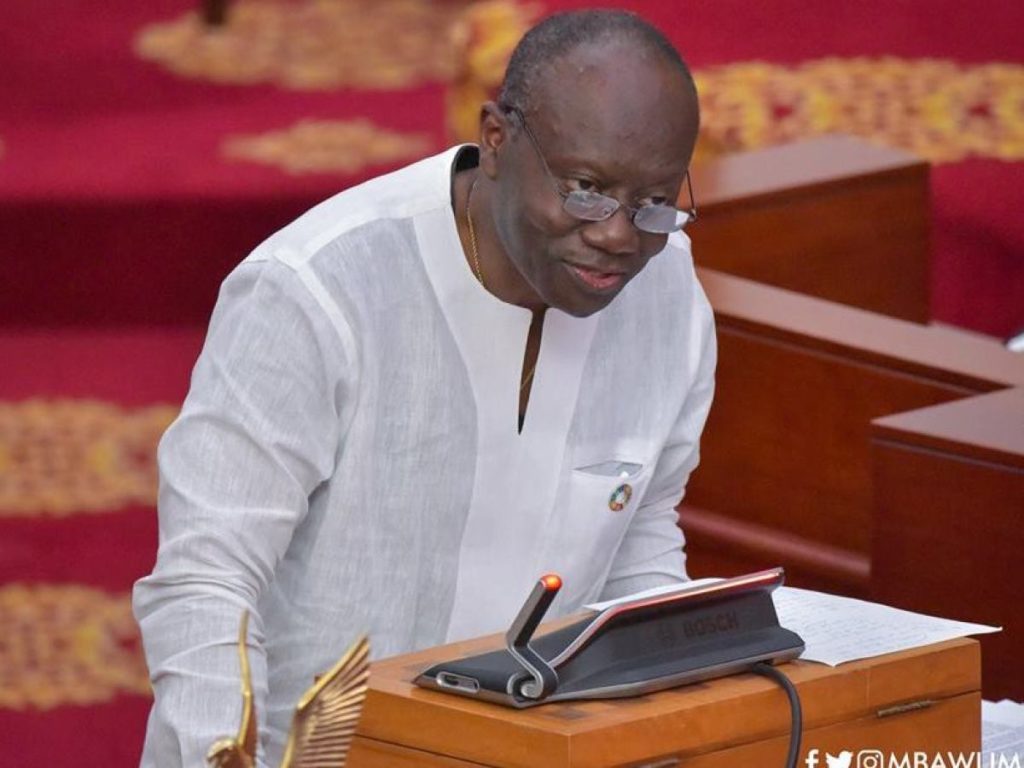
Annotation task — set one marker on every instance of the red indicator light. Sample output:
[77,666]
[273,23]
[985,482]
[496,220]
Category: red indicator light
[552,582]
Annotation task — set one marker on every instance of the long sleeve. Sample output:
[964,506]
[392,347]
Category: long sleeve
[651,553]
[257,433]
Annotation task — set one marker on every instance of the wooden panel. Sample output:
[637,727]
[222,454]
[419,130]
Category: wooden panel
[693,720]
[785,461]
[949,521]
[833,217]
[720,544]
[951,726]
[370,753]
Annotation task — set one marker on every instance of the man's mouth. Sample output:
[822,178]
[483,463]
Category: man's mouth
[596,279]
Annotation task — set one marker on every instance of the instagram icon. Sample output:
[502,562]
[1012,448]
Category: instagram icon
[870,758]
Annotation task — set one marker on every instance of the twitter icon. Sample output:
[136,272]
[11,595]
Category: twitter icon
[842,760]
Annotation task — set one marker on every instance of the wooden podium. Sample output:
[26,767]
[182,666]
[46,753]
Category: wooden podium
[924,699]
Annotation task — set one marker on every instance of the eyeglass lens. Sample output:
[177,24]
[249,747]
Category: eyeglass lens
[655,219]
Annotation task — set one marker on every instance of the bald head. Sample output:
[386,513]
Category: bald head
[561,34]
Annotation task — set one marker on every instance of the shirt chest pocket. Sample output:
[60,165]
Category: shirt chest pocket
[596,504]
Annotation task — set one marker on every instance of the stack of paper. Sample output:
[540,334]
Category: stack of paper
[839,629]
[1002,731]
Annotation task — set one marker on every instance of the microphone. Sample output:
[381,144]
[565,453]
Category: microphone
[538,679]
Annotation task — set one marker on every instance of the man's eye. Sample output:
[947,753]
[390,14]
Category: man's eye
[580,185]
[645,201]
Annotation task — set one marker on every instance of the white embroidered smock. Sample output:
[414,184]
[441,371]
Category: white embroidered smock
[348,458]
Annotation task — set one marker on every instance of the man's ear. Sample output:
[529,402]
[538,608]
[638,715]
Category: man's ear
[493,134]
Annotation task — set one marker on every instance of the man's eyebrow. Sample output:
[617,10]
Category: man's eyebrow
[566,163]
[570,164]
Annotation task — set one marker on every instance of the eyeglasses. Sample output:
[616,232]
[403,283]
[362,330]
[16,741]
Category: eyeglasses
[586,205]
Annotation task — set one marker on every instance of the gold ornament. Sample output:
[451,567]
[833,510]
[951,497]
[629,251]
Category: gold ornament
[325,719]
[239,752]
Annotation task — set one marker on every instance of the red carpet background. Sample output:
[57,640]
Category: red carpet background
[132,179]
[81,413]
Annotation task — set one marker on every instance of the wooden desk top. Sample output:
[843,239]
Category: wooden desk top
[989,426]
[977,364]
[697,718]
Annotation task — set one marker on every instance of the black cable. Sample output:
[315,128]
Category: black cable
[796,711]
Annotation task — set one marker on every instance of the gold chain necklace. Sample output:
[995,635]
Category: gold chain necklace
[472,235]
[479,273]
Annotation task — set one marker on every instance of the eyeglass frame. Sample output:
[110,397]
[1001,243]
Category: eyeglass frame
[691,214]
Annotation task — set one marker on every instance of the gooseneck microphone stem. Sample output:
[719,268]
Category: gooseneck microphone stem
[538,679]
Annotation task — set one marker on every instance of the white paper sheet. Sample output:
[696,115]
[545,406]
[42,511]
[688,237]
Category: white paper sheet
[840,629]
[1002,729]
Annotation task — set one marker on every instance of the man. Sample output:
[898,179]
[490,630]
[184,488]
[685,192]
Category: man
[435,387]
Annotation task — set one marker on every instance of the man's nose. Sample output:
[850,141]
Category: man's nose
[615,235]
